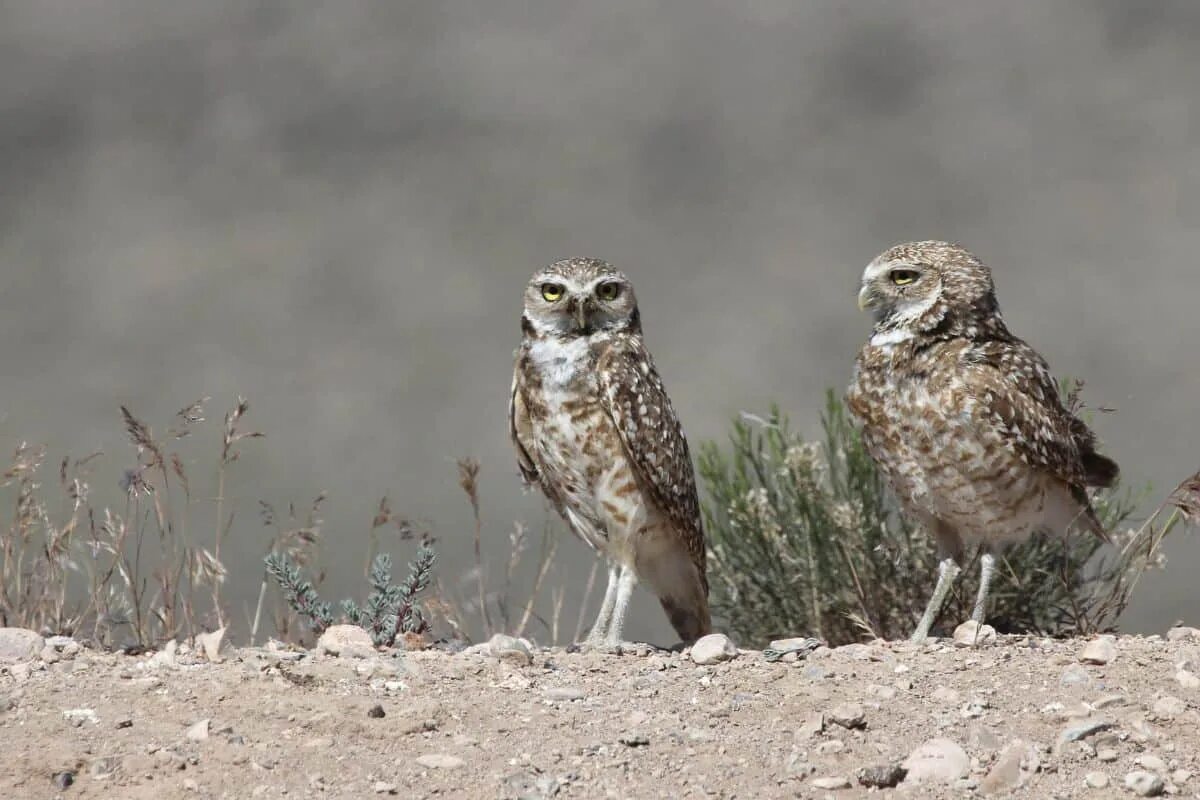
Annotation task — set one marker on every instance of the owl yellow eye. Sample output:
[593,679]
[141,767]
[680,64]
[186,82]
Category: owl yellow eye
[903,277]
[552,291]
[608,291]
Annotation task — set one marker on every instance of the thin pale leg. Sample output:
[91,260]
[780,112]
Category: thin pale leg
[625,584]
[987,568]
[948,570]
[596,637]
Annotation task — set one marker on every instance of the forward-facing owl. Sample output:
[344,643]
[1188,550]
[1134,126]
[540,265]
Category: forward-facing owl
[963,418]
[594,429]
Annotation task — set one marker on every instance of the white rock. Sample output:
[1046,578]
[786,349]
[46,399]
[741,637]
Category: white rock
[938,761]
[1152,763]
[714,648]
[210,643]
[382,787]
[1188,680]
[837,782]
[1016,765]
[1096,780]
[1182,633]
[165,658]
[1144,784]
[78,716]
[1107,754]
[563,694]
[849,715]
[1181,776]
[198,732]
[1101,650]
[19,644]
[348,641]
[510,648]
[1168,706]
[440,761]
[972,634]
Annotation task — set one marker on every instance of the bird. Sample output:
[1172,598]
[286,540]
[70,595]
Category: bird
[964,419]
[594,429]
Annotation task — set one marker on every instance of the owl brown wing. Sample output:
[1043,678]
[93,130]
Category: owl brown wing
[653,438]
[520,430]
[1019,400]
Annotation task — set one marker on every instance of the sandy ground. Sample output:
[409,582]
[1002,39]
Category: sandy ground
[1018,717]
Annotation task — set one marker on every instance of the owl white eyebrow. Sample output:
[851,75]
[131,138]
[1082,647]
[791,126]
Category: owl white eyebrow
[875,270]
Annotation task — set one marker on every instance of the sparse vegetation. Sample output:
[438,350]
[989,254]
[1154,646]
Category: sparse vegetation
[804,539]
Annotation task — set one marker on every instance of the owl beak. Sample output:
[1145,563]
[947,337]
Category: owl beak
[866,298]
[581,314]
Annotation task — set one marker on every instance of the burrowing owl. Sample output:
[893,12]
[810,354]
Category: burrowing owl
[963,418]
[594,429]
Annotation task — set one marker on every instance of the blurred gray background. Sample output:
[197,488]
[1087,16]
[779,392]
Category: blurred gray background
[332,209]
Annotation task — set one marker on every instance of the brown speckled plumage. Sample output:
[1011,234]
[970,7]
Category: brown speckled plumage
[962,417]
[594,429]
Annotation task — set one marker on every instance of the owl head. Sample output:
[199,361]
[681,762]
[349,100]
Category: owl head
[579,297]
[922,286]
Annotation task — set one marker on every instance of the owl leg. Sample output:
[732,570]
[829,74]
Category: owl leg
[601,625]
[948,570]
[987,568]
[625,585]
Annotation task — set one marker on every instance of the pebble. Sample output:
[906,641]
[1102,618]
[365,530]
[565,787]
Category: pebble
[19,644]
[849,715]
[347,641]
[1016,765]
[440,761]
[78,716]
[884,776]
[1099,651]
[939,761]
[1181,776]
[564,694]
[376,712]
[713,648]
[812,725]
[837,782]
[382,787]
[1075,676]
[1188,680]
[1106,754]
[1084,729]
[1181,633]
[1152,763]
[635,740]
[1096,780]
[1144,784]
[165,658]
[210,644]
[1168,706]
[831,747]
[63,780]
[972,634]
[198,732]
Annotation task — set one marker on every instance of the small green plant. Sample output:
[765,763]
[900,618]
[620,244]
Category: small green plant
[804,538]
[389,611]
[298,592]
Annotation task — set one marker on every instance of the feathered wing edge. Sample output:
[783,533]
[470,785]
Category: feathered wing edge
[1033,421]
[639,406]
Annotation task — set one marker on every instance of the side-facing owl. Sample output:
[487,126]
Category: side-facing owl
[963,418]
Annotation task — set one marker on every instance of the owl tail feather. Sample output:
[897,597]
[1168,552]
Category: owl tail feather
[1100,470]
